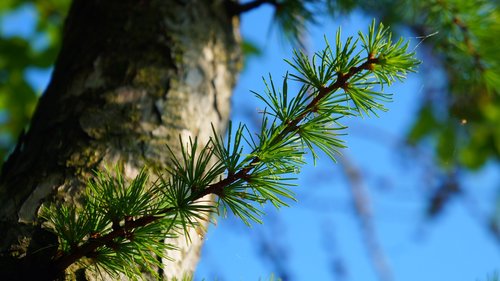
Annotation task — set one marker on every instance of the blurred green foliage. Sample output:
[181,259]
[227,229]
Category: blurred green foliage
[460,112]
[19,53]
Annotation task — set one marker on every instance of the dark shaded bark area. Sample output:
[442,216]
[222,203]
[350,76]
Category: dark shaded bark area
[130,78]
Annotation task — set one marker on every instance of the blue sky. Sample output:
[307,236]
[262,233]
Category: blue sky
[321,229]
[320,234]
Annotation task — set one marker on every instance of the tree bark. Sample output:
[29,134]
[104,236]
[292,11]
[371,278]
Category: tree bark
[131,76]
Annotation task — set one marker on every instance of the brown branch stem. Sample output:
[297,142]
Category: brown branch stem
[323,92]
[218,187]
[89,248]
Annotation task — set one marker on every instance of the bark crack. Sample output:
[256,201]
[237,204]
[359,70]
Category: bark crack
[158,112]
[214,87]
[216,106]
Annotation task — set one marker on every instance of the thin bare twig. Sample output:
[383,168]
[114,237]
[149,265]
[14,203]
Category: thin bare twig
[240,8]
[361,204]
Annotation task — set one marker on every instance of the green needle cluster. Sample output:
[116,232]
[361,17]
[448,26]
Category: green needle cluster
[122,225]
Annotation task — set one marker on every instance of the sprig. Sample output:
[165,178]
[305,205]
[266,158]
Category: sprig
[123,223]
[119,224]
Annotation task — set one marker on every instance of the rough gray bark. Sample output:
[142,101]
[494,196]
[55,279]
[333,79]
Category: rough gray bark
[131,76]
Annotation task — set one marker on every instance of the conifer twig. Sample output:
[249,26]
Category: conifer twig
[122,222]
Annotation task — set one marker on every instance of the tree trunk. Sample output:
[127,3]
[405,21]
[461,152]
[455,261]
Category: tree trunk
[132,76]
